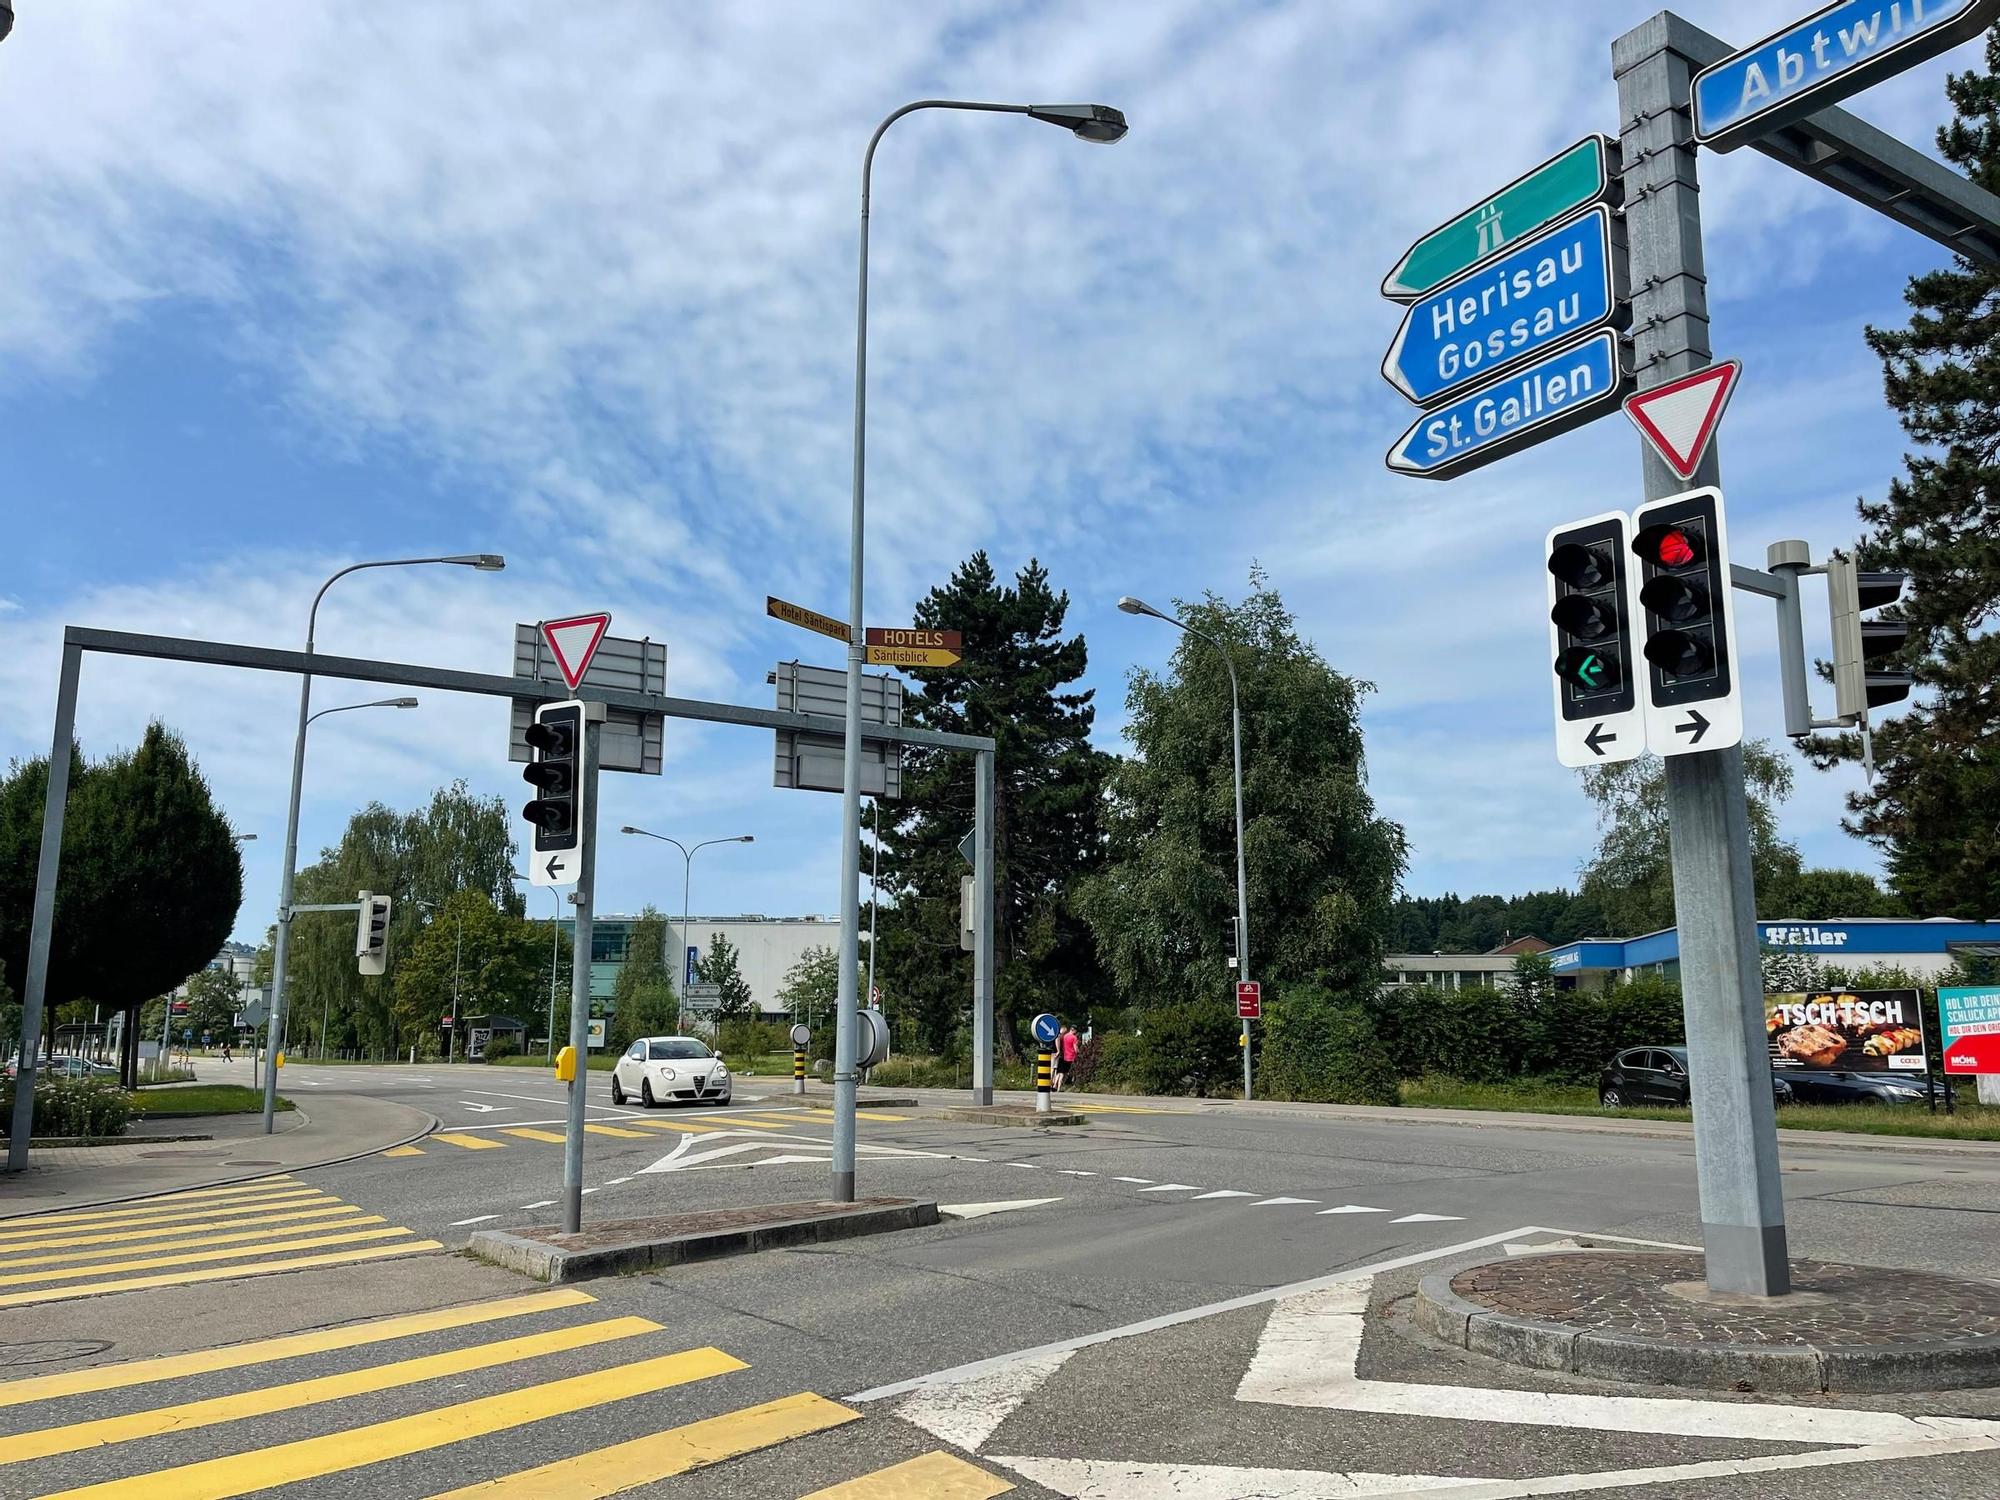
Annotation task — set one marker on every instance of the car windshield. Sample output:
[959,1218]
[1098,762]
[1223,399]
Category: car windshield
[676,1049]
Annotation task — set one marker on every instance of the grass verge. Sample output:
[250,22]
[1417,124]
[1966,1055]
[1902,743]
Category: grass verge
[200,1099]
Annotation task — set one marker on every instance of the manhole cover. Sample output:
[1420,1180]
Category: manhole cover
[50,1351]
[247,1163]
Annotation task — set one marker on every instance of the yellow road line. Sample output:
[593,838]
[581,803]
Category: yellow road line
[287,1346]
[735,1120]
[662,1455]
[185,1195]
[528,1133]
[469,1142]
[876,1114]
[404,1151]
[691,1129]
[25,1228]
[8,1263]
[214,1273]
[156,1231]
[315,1241]
[935,1476]
[357,1447]
[298,1393]
[630,1135]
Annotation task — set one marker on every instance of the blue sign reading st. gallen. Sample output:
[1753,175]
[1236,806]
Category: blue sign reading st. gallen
[1552,288]
[1565,389]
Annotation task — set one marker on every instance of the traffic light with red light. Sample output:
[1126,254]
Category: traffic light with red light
[1692,691]
[1591,613]
[556,812]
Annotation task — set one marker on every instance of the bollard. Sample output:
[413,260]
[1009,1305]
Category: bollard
[1042,1082]
[798,1070]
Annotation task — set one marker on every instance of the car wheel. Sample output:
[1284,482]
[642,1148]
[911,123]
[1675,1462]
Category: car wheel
[1611,1099]
[617,1093]
[646,1092]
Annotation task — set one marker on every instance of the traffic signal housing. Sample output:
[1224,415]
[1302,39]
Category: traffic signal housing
[1591,613]
[1857,685]
[1692,690]
[556,812]
[371,937]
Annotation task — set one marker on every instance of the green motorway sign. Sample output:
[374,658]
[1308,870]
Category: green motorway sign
[1574,179]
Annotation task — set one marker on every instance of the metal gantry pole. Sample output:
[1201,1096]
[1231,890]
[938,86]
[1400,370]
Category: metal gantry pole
[48,866]
[982,929]
[274,1024]
[579,984]
[1735,1127]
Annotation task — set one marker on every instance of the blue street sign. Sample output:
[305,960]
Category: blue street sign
[694,956]
[1576,384]
[1046,1028]
[1559,284]
[1829,55]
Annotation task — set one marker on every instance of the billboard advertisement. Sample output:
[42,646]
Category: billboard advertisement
[1858,1031]
[1971,1020]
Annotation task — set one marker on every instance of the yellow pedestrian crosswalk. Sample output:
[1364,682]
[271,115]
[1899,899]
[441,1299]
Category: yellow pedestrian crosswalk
[279,1412]
[211,1234]
[634,1127]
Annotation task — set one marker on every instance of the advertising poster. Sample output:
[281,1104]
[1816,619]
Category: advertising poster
[1971,1019]
[1856,1031]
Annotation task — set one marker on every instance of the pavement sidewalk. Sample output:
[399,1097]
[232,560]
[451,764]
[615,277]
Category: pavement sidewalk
[338,1127]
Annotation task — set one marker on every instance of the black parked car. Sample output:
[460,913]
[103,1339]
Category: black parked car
[1656,1076]
[1838,1086]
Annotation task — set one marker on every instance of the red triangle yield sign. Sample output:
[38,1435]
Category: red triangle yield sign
[573,642]
[1679,418]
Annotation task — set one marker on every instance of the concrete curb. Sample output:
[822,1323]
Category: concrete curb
[1811,1369]
[553,1263]
[823,1101]
[1011,1114]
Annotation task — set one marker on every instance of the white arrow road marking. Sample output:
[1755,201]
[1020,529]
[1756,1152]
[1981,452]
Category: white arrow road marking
[1353,1208]
[981,1210]
[1427,1219]
[1218,1193]
[1168,1187]
[1274,1202]
[1114,1479]
[483,1109]
[1131,1179]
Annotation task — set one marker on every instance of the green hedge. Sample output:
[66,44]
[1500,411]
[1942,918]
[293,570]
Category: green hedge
[1317,1049]
[74,1107]
[1489,1036]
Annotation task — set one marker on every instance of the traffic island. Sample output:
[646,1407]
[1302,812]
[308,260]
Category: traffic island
[1648,1317]
[1013,1114]
[622,1246]
[882,1101]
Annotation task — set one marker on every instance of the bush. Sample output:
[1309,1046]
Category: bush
[1109,1060]
[1185,1049]
[1317,1049]
[74,1107]
[500,1048]
[747,1038]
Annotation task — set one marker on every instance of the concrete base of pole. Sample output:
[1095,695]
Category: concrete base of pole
[572,1207]
[982,1096]
[798,1085]
[843,1187]
[1747,1259]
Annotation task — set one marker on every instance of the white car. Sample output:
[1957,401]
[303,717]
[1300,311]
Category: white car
[669,1070]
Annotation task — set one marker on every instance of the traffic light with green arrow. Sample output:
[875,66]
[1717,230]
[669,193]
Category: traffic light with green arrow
[1590,632]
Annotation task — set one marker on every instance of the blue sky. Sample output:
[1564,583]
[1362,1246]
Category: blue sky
[293,285]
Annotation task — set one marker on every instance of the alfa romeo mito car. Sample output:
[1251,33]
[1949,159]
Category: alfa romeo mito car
[669,1070]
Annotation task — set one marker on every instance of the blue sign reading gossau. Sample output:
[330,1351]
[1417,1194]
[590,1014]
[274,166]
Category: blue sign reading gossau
[1829,55]
[1574,385]
[1552,288]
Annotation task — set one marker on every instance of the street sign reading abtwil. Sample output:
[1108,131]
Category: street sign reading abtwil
[1543,293]
[1578,383]
[1566,182]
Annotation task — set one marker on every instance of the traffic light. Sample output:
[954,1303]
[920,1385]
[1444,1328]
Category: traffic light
[557,810]
[1590,635]
[1233,951]
[371,938]
[1693,693]
[1857,686]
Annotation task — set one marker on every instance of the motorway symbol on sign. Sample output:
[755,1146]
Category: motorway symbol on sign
[911,656]
[1556,393]
[809,619]
[1821,60]
[1249,1000]
[1973,1054]
[573,642]
[1574,179]
[1563,282]
[1679,418]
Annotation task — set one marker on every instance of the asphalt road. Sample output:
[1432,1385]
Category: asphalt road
[1112,1319]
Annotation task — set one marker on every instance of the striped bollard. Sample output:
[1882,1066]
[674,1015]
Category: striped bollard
[1043,1082]
[799,1071]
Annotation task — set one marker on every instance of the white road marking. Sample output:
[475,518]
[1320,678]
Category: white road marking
[483,1218]
[1073,1172]
[617,1181]
[1032,1167]
[970,1412]
[1274,1202]
[1115,1479]
[545,1203]
[1218,1193]
[981,1210]
[1131,1179]
[1428,1219]
[484,1109]
[1169,1187]
[1353,1208]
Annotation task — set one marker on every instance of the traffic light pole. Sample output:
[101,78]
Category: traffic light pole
[579,980]
[1735,1127]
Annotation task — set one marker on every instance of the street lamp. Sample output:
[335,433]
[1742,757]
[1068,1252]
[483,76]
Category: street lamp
[457,955]
[1098,123]
[243,838]
[485,562]
[555,959]
[687,880]
[1133,606]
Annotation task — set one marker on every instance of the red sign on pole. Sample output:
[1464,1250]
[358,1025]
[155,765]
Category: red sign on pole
[1973,1054]
[1679,418]
[573,642]
[1250,1000]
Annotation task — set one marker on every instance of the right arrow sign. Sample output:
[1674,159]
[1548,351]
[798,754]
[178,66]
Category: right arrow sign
[1694,726]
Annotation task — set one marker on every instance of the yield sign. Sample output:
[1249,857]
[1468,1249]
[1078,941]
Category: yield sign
[1679,418]
[573,642]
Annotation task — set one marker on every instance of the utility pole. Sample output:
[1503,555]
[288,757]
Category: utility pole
[579,983]
[1736,1143]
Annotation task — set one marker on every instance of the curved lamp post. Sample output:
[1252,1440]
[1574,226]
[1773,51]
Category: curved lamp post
[1098,123]
[687,882]
[486,562]
[1133,606]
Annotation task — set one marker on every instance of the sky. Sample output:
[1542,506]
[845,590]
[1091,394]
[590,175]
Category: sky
[291,286]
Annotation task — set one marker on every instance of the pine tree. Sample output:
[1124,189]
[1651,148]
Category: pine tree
[1934,807]
[719,967]
[1014,683]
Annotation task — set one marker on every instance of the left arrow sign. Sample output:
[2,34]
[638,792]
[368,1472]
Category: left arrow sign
[1597,739]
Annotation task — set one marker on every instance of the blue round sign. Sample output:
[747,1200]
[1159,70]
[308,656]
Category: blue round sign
[1046,1027]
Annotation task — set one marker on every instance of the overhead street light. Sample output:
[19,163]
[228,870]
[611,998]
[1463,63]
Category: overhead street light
[485,562]
[1133,606]
[1089,122]
[687,881]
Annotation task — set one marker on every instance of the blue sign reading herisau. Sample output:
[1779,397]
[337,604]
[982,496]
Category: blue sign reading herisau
[1565,389]
[1557,285]
[1829,55]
